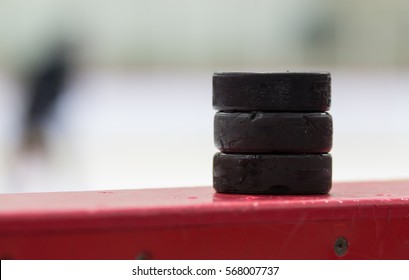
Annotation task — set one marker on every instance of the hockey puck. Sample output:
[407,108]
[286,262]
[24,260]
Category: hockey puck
[266,132]
[295,92]
[272,174]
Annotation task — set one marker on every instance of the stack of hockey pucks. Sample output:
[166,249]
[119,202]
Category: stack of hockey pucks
[273,133]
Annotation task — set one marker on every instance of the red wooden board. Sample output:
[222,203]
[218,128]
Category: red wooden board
[197,223]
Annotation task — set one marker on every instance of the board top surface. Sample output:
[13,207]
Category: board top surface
[197,205]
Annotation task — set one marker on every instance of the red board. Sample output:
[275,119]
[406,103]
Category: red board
[355,221]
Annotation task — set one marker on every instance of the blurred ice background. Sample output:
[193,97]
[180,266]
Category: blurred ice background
[137,112]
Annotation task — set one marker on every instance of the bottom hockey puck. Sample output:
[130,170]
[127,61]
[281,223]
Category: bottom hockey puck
[272,173]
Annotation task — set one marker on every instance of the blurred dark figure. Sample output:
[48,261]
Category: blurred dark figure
[34,165]
[46,84]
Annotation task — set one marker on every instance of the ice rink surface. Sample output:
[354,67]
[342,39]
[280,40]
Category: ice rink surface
[129,130]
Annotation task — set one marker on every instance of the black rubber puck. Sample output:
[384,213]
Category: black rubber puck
[263,132]
[292,92]
[272,174]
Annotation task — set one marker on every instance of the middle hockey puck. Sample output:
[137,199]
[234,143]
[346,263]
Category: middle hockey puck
[264,132]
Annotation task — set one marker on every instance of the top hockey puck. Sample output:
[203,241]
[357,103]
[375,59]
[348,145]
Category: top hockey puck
[290,92]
